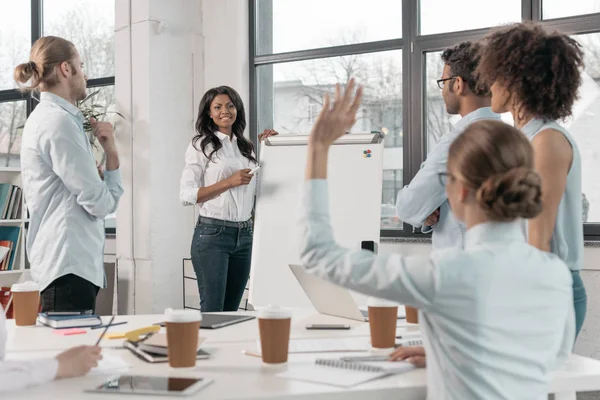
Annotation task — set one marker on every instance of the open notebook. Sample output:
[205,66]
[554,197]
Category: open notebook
[343,373]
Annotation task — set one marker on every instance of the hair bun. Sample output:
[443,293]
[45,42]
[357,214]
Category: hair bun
[516,193]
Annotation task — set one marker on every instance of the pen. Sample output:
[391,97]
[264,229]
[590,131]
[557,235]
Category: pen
[104,326]
[249,353]
[105,329]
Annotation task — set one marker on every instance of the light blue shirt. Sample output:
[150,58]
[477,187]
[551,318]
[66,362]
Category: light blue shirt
[66,198]
[416,201]
[567,239]
[492,328]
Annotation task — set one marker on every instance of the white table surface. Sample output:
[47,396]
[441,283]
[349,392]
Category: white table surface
[239,376]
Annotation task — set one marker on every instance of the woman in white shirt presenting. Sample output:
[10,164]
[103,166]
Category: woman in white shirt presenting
[218,178]
[15,375]
[492,328]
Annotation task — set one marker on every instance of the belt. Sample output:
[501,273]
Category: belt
[230,224]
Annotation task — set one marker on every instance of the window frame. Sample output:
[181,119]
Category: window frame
[10,95]
[415,47]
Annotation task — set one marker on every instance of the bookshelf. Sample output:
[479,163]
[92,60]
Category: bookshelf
[20,264]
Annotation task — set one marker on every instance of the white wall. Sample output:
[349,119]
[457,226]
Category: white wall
[588,342]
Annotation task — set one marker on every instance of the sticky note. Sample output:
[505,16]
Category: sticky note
[69,332]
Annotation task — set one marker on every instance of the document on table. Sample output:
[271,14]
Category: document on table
[110,364]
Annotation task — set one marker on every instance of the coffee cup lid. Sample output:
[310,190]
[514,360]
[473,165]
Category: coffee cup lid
[274,312]
[28,286]
[377,302]
[182,315]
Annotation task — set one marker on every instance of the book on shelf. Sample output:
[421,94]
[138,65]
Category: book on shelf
[10,201]
[9,237]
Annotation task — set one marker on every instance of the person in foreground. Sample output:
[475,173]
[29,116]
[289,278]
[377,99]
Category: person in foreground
[218,178]
[423,203]
[535,75]
[63,186]
[492,328]
[15,375]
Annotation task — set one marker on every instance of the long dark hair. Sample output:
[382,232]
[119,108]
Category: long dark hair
[206,127]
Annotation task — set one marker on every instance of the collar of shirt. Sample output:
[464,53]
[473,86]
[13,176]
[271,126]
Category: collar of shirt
[64,104]
[480,113]
[532,127]
[494,232]
[222,136]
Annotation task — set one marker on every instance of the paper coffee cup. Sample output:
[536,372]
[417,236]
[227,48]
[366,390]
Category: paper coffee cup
[412,315]
[182,337]
[383,315]
[274,325]
[26,302]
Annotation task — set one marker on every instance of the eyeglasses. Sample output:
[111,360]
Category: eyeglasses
[444,177]
[440,82]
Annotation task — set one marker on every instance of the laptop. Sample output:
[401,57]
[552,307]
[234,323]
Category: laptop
[327,298]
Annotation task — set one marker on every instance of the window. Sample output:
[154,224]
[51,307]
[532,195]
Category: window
[290,71]
[89,24]
[282,25]
[436,16]
[560,8]
[584,123]
[15,39]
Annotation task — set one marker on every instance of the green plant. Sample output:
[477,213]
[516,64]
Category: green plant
[89,109]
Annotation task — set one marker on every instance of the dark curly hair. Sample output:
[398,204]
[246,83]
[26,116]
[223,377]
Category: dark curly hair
[206,127]
[463,60]
[541,69]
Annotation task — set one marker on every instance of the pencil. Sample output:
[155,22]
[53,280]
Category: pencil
[105,329]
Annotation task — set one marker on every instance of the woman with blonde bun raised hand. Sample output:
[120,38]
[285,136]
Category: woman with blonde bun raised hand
[492,328]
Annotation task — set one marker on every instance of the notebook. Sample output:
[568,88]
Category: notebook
[69,321]
[344,374]
[154,357]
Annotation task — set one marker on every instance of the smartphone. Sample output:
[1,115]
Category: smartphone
[327,326]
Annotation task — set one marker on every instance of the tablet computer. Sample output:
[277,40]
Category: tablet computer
[152,385]
[216,321]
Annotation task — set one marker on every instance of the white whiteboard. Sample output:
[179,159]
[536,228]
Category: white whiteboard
[355,183]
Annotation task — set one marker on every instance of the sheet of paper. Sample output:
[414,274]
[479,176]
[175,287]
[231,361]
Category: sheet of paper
[110,364]
[329,376]
[3,252]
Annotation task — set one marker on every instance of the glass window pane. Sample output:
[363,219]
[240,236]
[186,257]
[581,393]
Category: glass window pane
[100,103]
[290,97]
[90,25]
[584,123]
[560,8]
[440,16]
[15,39]
[437,121]
[281,25]
[12,119]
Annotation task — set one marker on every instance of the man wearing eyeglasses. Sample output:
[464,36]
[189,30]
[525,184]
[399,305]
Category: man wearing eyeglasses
[423,203]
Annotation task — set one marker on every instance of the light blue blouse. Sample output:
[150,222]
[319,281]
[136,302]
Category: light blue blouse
[492,328]
[567,239]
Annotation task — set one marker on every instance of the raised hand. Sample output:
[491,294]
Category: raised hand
[337,119]
[240,178]
[105,134]
[266,134]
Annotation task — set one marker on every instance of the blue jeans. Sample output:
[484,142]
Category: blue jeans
[579,301]
[221,256]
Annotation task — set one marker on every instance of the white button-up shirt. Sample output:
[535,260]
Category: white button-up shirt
[493,329]
[424,194]
[15,375]
[235,204]
[66,198]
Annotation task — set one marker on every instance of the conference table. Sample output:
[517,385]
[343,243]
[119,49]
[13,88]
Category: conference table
[238,375]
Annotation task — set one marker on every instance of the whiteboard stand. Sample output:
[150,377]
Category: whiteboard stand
[355,176]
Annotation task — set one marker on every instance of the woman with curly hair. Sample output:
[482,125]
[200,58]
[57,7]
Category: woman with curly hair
[535,75]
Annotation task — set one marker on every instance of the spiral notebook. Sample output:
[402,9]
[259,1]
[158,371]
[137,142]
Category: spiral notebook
[343,373]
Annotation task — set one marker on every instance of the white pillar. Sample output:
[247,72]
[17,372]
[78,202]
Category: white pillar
[168,53]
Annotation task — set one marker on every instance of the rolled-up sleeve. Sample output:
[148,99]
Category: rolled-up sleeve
[15,375]
[407,280]
[416,201]
[192,177]
[72,161]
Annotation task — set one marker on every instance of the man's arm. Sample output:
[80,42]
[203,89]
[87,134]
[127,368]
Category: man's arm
[68,154]
[424,195]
